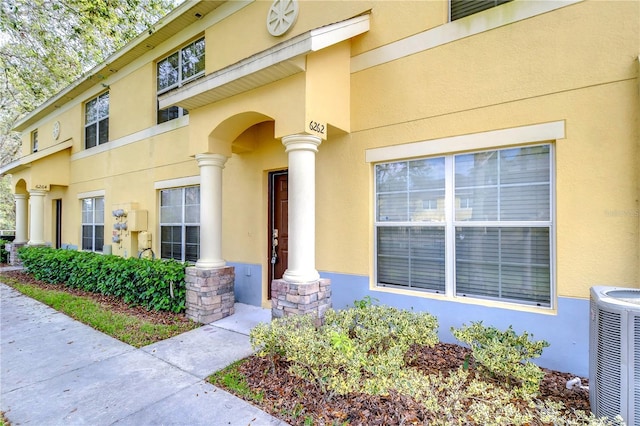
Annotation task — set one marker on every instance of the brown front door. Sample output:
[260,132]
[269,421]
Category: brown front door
[278,226]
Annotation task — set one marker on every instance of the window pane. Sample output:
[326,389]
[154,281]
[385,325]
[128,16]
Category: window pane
[103,131]
[393,256]
[426,174]
[525,186]
[476,180]
[168,114]
[504,263]
[87,210]
[103,105]
[192,204]
[99,210]
[525,165]
[87,237]
[412,257]
[171,242]
[193,59]
[90,136]
[91,111]
[171,206]
[391,177]
[168,72]
[99,230]
[192,245]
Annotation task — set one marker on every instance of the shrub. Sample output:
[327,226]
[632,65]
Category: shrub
[504,354]
[4,254]
[153,284]
[359,349]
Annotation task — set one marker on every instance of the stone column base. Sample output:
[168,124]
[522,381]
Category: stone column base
[210,294]
[300,299]
[12,248]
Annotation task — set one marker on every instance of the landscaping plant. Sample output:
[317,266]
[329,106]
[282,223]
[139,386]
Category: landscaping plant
[4,254]
[504,354]
[360,349]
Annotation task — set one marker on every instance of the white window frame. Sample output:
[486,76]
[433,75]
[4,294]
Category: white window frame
[34,141]
[183,224]
[538,134]
[93,224]
[179,83]
[98,120]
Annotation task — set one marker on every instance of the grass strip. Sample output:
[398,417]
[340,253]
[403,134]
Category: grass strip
[233,380]
[126,328]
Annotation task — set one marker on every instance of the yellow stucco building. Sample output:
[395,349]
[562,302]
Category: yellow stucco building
[479,164]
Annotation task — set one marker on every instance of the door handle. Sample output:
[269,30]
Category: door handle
[274,245]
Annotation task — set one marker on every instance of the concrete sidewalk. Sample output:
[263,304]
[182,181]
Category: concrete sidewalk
[57,371]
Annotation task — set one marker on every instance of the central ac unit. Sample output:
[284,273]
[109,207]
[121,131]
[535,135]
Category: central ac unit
[614,353]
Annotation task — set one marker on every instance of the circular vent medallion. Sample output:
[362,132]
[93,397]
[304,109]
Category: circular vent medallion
[281,17]
[56,130]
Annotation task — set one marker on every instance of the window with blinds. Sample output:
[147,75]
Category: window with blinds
[180,223]
[93,224]
[461,8]
[470,225]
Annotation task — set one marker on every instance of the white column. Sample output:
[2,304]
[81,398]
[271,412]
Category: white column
[36,224]
[302,208]
[211,166]
[21,218]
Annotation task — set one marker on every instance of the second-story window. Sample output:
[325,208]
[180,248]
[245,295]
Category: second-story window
[96,122]
[34,141]
[177,69]
[461,8]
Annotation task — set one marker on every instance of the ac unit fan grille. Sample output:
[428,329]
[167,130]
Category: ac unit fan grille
[608,370]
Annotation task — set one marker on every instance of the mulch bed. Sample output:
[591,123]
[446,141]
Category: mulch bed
[293,399]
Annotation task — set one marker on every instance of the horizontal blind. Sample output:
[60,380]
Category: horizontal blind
[509,256]
[504,263]
[462,8]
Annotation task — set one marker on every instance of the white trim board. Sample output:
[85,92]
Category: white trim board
[91,194]
[177,183]
[492,139]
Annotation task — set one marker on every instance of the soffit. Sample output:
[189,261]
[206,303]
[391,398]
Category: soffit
[180,18]
[278,62]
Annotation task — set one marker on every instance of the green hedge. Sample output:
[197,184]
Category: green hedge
[4,254]
[153,284]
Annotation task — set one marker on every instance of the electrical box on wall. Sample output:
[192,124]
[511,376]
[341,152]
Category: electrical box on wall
[144,240]
[137,220]
[127,222]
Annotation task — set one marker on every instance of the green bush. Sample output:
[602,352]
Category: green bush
[504,354]
[4,254]
[360,349]
[153,284]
